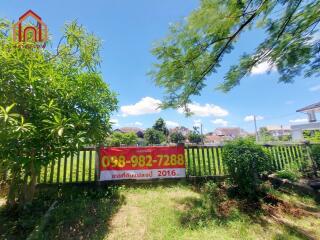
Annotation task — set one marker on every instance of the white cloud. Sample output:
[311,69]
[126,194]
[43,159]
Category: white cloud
[146,105]
[172,124]
[299,120]
[289,102]
[197,123]
[205,110]
[262,68]
[250,118]
[138,123]
[315,88]
[114,122]
[220,122]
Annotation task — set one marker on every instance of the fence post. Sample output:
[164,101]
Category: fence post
[97,164]
[309,155]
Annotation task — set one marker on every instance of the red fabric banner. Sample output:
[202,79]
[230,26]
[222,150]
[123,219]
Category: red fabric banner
[131,162]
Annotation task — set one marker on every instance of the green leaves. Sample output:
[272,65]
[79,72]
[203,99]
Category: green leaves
[195,48]
[61,100]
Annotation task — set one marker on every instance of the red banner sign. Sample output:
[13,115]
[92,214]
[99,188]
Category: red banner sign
[118,163]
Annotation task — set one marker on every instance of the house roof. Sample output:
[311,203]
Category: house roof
[236,131]
[129,129]
[277,128]
[314,107]
[30,13]
[181,129]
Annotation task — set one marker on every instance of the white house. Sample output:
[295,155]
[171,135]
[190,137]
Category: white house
[311,110]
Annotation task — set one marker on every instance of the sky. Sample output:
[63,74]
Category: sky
[128,29]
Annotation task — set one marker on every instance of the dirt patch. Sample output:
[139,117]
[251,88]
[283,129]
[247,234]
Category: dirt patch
[2,202]
[276,207]
[128,222]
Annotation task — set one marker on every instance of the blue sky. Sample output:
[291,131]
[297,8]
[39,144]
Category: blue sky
[129,29]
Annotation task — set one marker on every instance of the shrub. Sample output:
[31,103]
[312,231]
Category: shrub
[118,138]
[288,174]
[153,136]
[177,137]
[315,154]
[246,161]
[291,173]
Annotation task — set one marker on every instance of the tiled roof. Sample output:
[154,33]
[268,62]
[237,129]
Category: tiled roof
[129,129]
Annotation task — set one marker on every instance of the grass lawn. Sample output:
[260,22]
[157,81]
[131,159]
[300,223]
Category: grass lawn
[161,211]
[179,212]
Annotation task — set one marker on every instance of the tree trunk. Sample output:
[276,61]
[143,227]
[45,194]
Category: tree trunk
[30,187]
[13,187]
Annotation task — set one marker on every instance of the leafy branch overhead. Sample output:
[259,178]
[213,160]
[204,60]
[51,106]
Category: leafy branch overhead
[195,48]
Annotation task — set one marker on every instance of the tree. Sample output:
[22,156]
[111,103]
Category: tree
[59,94]
[160,125]
[312,135]
[195,136]
[177,137]
[153,136]
[118,138]
[195,48]
[265,135]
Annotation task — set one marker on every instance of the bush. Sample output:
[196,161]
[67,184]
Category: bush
[288,174]
[246,161]
[153,136]
[177,137]
[315,154]
[291,173]
[118,138]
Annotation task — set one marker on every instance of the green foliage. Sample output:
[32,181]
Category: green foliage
[245,162]
[78,214]
[315,154]
[60,99]
[195,136]
[265,135]
[153,136]
[177,137]
[196,47]
[290,172]
[117,138]
[312,136]
[160,125]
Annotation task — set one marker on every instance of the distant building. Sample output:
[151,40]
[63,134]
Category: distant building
[138,131]
[220,135]
[311,110]
[185,131]
[278,131]
[234,132]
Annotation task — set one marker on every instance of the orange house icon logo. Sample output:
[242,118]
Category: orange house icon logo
[35,30]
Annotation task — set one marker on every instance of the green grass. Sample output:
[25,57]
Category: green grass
[154,211]
[179,212]
[75,165]
[80,213]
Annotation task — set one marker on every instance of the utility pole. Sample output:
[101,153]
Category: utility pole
[255,128]
[201,134]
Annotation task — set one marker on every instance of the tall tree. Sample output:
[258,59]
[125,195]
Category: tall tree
[177,137]
[195,136]
[160,125]
[195,48]
[153,136]
[60,94]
